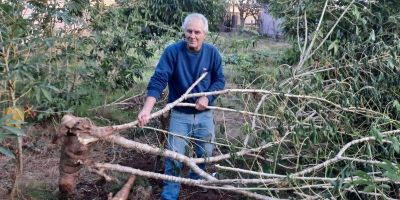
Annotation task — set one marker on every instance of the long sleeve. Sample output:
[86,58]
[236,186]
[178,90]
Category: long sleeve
[161,75]
[217,77]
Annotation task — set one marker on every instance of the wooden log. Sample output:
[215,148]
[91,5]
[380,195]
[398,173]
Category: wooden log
[73,153]
[124,192]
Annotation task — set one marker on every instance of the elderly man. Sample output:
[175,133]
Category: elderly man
[181,64]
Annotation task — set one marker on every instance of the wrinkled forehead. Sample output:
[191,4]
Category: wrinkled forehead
[195,24]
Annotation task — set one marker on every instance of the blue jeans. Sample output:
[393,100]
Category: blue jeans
[200,126]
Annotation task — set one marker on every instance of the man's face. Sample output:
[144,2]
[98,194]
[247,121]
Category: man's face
[194,34]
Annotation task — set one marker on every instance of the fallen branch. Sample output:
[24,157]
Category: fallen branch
[356,110]
[190,138]
[279,178]
[157,151]
[103,174]
[375,194]
[339,156]
[124,192]
[186,181]
[228,110]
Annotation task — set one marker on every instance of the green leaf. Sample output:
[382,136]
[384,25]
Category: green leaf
[5,118]
[53,88]
[387,166]
[356,13]
[392,63]
[369,188]
[384,186]
[15,131]
[364,21]
[395,144]
[131,52]
[361,182]
[396,105]
[46,94]
[361,174]
[27,75]
[37,94]
[246,128]
[392,176]
[375,132]
[334,45]
[372,35]
[7,152]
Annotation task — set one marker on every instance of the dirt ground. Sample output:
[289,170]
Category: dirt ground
[40,175]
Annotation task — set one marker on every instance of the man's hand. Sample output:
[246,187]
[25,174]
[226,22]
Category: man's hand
[144,115]
[143,118]
[202,103]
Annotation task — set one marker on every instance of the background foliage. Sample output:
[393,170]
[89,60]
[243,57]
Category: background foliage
[57,55]
[355,64]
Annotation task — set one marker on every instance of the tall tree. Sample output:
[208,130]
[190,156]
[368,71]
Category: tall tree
[246,9]
[173,12]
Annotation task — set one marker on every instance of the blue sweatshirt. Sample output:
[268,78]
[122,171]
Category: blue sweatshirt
[180,68]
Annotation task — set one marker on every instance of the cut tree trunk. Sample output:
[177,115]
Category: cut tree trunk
[73,155]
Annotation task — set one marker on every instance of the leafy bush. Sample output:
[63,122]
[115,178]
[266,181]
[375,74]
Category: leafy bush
[249,68]
[8,130]
[345,52]
[172,13]
[44,66]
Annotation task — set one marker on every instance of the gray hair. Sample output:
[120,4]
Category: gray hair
[194,16]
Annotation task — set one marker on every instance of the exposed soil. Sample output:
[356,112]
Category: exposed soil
[40,176]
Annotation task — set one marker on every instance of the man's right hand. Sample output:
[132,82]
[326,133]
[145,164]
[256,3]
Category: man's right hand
[143,118]
[144,115]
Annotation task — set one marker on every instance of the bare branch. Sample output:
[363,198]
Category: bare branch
[124,192]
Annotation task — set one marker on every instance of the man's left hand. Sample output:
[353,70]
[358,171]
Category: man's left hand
[202,103]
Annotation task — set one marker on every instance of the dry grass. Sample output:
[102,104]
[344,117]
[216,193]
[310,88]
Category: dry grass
[40,161]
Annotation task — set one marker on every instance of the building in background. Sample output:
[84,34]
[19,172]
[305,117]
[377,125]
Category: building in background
[257,18]
[269,26]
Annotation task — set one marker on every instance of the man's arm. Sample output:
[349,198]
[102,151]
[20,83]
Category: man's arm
[217,77]
[217,83]
[156,85]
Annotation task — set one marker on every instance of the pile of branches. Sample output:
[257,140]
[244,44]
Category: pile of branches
[327,128]
[293,167]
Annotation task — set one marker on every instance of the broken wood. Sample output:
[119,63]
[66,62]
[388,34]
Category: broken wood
[124,192]
[73,153]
